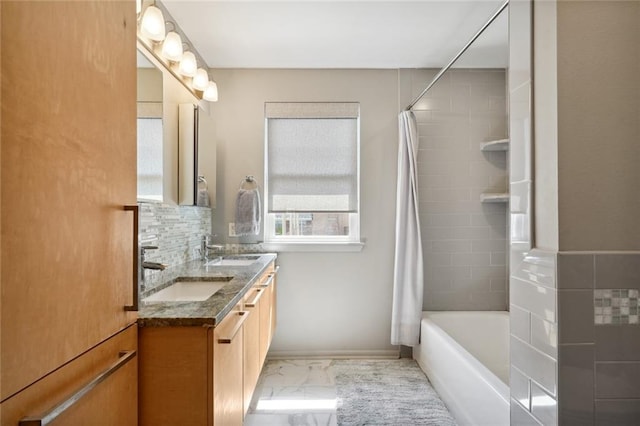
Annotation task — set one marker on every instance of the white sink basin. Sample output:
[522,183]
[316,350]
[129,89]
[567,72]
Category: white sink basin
[186,291]
[233,261]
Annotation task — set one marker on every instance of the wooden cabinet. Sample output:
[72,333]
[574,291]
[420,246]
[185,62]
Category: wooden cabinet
[192,375]
[228,370]
[251,350]
[205,376]
[259,328]
[68,166]
[267,313]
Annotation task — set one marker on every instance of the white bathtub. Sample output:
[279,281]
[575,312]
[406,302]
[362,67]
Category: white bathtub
[466,357]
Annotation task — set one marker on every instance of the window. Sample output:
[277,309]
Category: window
[312,172]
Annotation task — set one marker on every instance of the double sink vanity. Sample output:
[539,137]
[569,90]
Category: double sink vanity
[203,339]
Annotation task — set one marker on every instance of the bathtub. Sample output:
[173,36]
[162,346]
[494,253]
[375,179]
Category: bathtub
[466,357]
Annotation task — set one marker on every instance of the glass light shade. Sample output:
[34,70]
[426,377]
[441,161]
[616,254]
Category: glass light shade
[152,25]
[172,47]
[188,64]
[211,92]
[201,79]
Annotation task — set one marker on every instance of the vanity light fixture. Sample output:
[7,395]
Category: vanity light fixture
[188,64]
[211,92]
[152,24]
[200,80]
[168,49]
[172,47]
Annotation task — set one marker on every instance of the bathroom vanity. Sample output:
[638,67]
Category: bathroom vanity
[200,359]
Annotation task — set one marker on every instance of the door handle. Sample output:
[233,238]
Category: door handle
[136,258]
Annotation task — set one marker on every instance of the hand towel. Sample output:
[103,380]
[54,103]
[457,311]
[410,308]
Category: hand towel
[203,198]
[248,212]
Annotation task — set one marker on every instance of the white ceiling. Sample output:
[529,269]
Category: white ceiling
[342,34]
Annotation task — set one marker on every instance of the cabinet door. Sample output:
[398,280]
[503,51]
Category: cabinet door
[68,161]
[175,375]
[251,350]
[113,401]
[267,316]
[228,403]
[265,321]
[273,312]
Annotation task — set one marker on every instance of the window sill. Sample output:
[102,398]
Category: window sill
[282,246]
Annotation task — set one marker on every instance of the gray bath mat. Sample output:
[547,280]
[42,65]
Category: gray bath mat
[387,392]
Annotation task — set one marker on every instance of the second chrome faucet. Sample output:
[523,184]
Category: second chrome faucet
[208,250]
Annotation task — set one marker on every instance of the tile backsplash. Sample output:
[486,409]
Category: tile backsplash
[175,230]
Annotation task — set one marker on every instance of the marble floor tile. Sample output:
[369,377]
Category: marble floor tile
[298,373]
[294,392]
[292,419]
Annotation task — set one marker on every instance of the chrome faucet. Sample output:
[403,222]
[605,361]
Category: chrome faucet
[206,247]
[148,265]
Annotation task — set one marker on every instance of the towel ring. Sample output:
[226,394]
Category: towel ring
[248,182]
[201,179]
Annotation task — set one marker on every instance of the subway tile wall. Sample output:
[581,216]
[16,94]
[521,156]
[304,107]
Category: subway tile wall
[464,241]
[599,362]
[534,339]
[532,282]
[569,367]
[175,230]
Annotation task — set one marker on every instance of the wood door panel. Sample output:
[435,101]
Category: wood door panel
[68,166]
[273,312]
[251,349]
[175,375]
[265,323]
[112,402]
[227,375]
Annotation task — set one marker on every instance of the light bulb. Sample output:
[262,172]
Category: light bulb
[152,25]
[211,92]
[201,79]
[188,64]
[172,47]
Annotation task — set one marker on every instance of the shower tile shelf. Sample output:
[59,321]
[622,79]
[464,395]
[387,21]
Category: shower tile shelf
[497,145]
[494,197]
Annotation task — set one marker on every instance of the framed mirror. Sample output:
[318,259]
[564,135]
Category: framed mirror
[174,148]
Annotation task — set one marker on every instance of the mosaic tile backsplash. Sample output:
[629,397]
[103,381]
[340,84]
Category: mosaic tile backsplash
[175,230]
[616,306]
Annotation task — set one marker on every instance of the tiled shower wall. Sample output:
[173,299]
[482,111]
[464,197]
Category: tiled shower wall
[534,339]
[599,338]
[575,333]
[176,231]
[464,241]
[575,339]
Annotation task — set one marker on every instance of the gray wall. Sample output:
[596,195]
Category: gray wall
[333,302]
[464,241]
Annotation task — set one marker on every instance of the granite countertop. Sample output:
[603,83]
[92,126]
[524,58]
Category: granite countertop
[208,312]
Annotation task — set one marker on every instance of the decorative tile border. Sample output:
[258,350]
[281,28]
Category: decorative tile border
[616,307]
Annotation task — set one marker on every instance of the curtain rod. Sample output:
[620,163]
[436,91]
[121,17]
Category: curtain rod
[455,58]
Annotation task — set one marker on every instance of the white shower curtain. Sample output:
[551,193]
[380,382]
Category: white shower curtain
[408,272]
